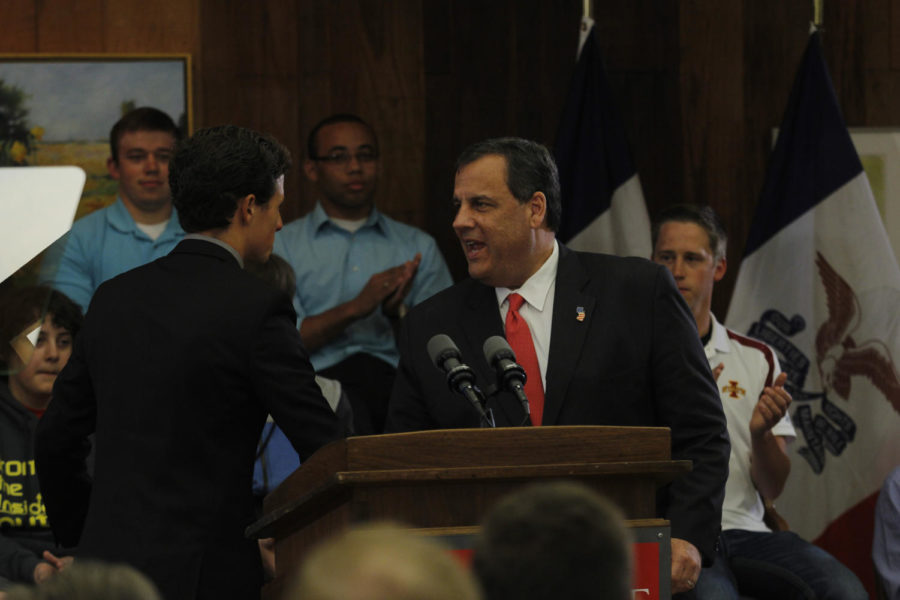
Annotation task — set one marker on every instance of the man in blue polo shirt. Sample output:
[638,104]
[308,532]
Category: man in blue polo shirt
[139,227]
[357,270]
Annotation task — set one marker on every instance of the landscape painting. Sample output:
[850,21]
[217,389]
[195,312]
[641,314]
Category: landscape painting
[58,110]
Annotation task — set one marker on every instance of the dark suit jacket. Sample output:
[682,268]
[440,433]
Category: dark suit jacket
[635,359]
[175,368]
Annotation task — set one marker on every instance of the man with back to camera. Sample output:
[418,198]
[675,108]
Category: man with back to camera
[613,342]
[357,270]
[751,560]
[139,227]
[175,369]
[554,540]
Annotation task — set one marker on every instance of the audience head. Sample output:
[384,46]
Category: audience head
[342,160]
[88,580]
[382,562]
[145,118]
[226,176]
[703,217]
[141,145]
[32,368]
[691,242]
[313,148]
[507,200]
[550,541]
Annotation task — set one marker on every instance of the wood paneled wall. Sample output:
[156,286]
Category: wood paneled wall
[699,84]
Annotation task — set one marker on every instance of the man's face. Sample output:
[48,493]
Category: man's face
[345,169]
[142,169]
[497,232]
[683,248]
[266,221]
[34,375]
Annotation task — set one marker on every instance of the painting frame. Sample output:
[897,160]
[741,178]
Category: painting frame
[71,100]
[879,151]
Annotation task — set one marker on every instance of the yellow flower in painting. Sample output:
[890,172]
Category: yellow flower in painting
[37,131]
[18,151]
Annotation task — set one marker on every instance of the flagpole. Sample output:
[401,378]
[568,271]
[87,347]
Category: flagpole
[817,13]
[587,9]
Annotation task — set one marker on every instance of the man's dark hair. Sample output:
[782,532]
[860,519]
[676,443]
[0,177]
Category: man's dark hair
[312,150]
[145,118]
[703,216]
[549,541]
[530,168]
[23,306]
[219,165]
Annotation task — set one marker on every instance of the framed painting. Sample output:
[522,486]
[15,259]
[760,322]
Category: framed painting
[879,152]
[58,109]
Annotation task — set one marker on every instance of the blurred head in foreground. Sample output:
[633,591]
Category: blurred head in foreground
[89,580]
[382,562]
[550,541]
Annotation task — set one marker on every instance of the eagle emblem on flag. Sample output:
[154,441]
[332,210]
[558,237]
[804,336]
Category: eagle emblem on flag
[838,355]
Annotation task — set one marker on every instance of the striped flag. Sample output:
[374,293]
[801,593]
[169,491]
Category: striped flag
[820,283]
[603,207]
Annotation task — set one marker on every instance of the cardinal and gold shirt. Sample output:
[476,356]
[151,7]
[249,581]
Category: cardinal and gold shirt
[749,366]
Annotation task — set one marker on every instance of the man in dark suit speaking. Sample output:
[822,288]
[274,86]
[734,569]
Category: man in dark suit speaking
[610,341]
[175,370]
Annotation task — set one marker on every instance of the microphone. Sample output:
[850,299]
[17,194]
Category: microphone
[510,374]
[460,377]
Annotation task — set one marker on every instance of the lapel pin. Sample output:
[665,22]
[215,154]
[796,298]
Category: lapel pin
[579,313]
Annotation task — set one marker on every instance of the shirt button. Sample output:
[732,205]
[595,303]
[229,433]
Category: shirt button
[355,269]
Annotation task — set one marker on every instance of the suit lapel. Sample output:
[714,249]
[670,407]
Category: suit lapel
[568,333]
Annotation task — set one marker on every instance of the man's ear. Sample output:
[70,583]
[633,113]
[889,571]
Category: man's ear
[721,267]
[537,207]
[246,209]
[112,167]
[311,170]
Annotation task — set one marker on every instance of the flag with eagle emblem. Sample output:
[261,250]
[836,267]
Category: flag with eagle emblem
[820,284]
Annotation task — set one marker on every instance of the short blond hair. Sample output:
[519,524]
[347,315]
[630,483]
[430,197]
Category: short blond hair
[91,580]
[379,562]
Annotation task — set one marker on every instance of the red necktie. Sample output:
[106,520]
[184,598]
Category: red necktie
[519,337]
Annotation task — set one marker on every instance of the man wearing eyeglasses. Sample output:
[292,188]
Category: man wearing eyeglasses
[357,270]
[139,227]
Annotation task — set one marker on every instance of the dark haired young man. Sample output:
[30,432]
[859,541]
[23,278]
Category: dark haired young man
[139,227]
[176,368]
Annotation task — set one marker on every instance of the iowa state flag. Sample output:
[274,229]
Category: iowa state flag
[603,206]
[820,283]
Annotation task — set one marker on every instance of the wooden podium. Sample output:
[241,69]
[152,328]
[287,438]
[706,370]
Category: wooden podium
[446,480]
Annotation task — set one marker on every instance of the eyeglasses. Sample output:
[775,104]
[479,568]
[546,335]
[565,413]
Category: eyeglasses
[344,158]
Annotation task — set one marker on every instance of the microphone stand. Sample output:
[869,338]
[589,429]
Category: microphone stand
[494,391]
[459,379]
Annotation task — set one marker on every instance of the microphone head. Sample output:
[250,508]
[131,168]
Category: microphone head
[496,348]
[440,347]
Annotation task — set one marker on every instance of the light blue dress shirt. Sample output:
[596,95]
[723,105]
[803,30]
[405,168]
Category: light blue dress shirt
[100,246]
[333,265]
